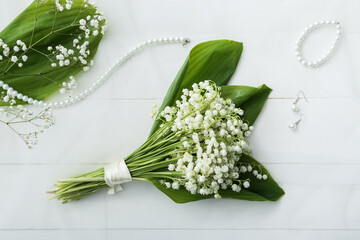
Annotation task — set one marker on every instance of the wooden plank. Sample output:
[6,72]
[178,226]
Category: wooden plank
[211,234]
[317,197]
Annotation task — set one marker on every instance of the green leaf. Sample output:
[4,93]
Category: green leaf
[250,99]
[213,60]
[41,25]
[259,190]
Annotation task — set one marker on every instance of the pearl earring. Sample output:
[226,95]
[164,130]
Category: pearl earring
[294,125]
[295,106]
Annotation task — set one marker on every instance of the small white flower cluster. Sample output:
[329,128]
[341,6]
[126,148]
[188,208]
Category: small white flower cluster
[65,56]
[8,98]
[213,135]
[80,53]
[91,25]
[17,117]
[62,55]
[68,86]
[20,46]
[68,4]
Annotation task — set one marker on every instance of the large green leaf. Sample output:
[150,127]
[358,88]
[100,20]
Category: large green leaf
[250,99]
[213,60]
[259,190]
[41,25]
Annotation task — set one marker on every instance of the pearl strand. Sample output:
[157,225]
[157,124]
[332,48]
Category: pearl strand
[95,85]
[306,33]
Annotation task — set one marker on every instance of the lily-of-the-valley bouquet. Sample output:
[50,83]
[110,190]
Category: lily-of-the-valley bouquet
[198,145]
[41,51]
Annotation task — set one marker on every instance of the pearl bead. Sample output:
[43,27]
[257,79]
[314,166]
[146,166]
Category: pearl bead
[292,126]
[1,83]
[295,108]
[5,87]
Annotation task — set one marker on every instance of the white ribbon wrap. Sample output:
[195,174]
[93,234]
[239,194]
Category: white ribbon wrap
[115,174]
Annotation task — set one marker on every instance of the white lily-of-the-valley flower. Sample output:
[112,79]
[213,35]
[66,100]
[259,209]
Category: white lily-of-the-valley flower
[214,137]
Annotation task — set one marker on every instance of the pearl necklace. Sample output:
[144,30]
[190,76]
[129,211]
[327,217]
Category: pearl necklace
[306,33]
[95,85]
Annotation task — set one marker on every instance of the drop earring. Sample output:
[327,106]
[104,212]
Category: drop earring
[294,125]
[294,106]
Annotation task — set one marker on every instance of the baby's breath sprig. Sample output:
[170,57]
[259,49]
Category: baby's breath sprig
[24,122]
[197,147]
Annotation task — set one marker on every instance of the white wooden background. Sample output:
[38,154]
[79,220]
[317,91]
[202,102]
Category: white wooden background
[318,166]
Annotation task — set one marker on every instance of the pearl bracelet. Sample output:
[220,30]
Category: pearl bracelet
[98,82]
[306,33]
